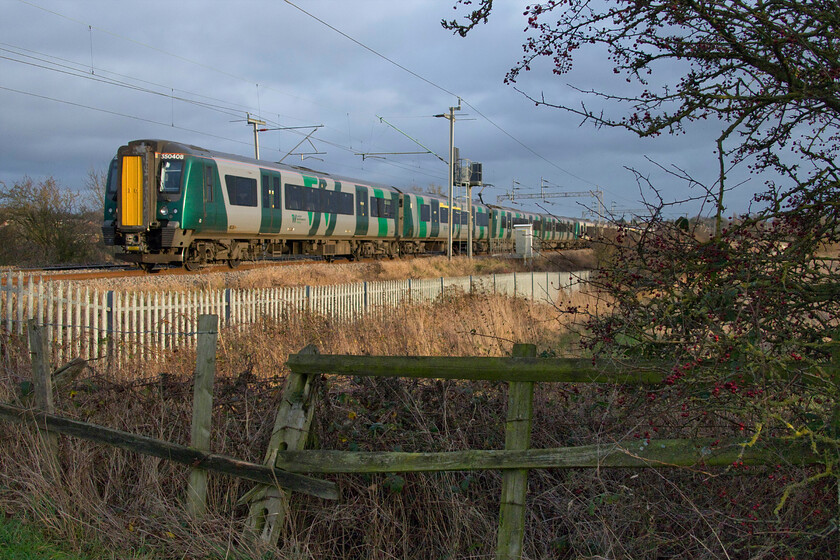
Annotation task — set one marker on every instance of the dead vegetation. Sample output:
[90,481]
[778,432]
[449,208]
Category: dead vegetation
[104,500]
[340,272]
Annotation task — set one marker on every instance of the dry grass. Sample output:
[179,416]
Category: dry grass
[340,272]
[111,500]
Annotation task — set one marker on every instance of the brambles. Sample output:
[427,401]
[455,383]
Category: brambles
[747,317]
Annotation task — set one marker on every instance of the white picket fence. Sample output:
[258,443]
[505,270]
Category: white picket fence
[95,324]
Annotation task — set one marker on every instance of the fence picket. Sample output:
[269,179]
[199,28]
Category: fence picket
[125,327]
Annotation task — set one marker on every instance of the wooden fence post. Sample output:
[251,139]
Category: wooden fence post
[515,481]
[42,384]
[205,372]
[269,504]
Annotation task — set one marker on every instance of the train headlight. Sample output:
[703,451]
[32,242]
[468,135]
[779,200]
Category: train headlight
[164,211]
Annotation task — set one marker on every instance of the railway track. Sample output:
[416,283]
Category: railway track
[113,270]
[85,272]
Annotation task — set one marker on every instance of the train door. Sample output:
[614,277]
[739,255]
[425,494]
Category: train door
[495,224]
[435,217]
[265,202]
[404,218]
[271,210]
[209,197]
[362,214]
[131,199]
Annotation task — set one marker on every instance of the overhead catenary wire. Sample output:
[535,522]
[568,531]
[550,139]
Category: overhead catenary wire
[443,89]
[156,49]
[78,70]
[91,28]
[219,105]
[119,114]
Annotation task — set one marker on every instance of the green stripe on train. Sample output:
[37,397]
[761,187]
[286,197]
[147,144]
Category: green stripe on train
[314,217]
[332,219]
[382,223]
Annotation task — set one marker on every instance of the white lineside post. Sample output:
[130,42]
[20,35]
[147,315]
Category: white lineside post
[205,372]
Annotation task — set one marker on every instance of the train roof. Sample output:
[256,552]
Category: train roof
[169,146]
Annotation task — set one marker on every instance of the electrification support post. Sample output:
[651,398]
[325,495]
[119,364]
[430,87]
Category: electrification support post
[469,221]
[451,118]
[254,122]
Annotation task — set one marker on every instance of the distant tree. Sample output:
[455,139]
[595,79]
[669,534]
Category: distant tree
[431,188]
[93,202]
[43,224]
[95,184]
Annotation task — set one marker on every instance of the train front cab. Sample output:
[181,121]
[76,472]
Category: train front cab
[129,200]
[144,206]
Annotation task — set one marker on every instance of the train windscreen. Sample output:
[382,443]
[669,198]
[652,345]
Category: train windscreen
[170,175]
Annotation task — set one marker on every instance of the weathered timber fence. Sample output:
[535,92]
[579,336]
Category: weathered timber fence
[521,372]
[287,464]
[198,455]
[91,323]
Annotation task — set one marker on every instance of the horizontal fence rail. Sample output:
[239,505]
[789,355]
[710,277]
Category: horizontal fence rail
[521,372]
[94,324]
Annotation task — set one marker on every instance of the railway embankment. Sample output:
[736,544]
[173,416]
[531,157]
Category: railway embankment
[322,274]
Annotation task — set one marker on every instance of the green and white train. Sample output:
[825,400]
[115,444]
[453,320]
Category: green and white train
[171,203]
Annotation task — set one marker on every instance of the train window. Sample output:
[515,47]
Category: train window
[208,183]
[242,191]
[293,198]
[456,216]
[465,218]
[323,201]
[444,215]
[382,208]
[425,213]
[310,199]
[482,219]
[344,204]
[276,202]
[316,200]
[113,179]
[170,175]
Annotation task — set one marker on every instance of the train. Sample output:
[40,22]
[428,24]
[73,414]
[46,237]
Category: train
[170,203]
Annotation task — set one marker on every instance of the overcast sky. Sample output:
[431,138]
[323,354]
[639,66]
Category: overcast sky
[80,78]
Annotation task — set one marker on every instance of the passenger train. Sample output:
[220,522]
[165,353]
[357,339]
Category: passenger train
[172,203]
